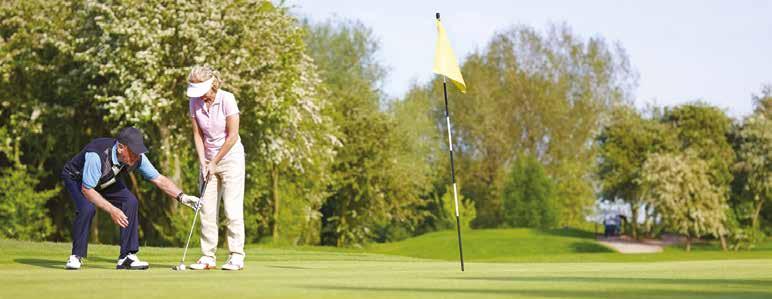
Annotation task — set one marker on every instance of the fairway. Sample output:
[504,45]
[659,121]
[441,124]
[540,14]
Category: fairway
[35,270]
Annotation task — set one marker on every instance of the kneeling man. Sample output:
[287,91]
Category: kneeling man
[94,178]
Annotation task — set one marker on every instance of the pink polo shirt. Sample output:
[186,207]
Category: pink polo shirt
[211,121]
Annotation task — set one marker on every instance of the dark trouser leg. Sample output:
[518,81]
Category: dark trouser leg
[84,213]
[121,197]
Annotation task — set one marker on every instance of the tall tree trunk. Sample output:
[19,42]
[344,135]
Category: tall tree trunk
[275,196]
[17,151]
[169,162]
[95,228]
[176,175]
[723,242]
[340,234]
[634,220]
[144,227]
[688,243]
[756,213]
[649,227]
[135,186]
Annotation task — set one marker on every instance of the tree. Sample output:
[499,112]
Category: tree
[42,86]
[466,212]
[143,51]
[679,187]
[22,205]
[754,166]
[625,145]
[705,130]
[94,67]
[542,94]
[529,196]
[29,53]
[426,161]
[375,180]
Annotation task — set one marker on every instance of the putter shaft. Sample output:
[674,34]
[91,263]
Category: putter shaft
[195,217]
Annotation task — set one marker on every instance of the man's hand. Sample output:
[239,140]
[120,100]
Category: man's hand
[118,217]
[115,213]
[190,201]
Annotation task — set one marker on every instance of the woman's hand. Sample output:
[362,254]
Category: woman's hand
[202,166]
[208,168]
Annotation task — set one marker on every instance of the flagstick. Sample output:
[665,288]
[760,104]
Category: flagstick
[452,170]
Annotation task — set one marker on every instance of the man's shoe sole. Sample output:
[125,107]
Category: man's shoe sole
[121,267]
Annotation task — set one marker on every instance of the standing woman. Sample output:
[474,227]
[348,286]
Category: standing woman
[215,121]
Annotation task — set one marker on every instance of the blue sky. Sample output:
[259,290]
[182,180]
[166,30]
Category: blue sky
[716,51]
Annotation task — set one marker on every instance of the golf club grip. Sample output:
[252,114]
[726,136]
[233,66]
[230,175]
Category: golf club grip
[203,188]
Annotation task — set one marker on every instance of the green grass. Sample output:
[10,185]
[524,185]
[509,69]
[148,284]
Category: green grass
[495,244]
[558,245]
[554,268]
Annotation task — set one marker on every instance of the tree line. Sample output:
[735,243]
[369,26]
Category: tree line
[546,127]
[699,172]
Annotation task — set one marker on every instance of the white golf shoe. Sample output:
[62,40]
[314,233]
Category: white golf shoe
[73,263]
[235,262]
[204,263]
[131,262]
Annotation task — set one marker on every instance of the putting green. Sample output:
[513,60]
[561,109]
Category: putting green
[35,270]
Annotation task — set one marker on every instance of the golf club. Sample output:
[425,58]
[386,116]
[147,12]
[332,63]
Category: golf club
[181,266]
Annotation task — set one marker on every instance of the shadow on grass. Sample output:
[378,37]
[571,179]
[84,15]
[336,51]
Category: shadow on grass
[50,264]
[92,262]
[589,247]
[561,293]
[628,280]
[715,246]
[54,264]
[101,259]
[289,267]
[569,232]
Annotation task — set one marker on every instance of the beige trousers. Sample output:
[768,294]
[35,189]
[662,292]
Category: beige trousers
[227,183]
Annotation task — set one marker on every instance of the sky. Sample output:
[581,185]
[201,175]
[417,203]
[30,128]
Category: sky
[719,52]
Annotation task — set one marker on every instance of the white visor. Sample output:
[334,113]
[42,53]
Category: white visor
[196,90]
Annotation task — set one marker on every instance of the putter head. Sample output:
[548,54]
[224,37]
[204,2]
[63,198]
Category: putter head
[180,267]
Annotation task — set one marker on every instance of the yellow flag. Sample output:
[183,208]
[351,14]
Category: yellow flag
[445,62]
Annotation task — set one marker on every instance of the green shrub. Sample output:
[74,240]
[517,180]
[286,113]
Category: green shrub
[22,209]
[529,195]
